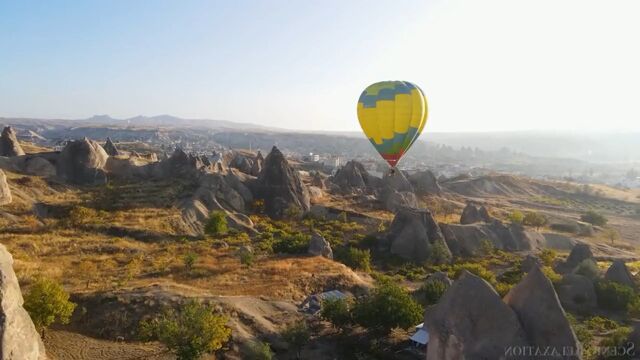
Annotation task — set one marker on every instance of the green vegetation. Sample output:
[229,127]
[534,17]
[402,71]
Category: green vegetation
[588,268]
[486,247]
[594,218]
[190,332]
[337,312]
[433,291]
[79,216]
[355,258]
[297,336]
[613,296]
[516,217]
[548,256]
[474,268]
[216,224]
[611,234]
[189,260]
[503,288]
[439,253]
[47,303]
[259,350]
[246,258]
[296,243]
[387,307]
[534,219]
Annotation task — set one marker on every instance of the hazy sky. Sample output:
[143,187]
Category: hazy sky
[484,65]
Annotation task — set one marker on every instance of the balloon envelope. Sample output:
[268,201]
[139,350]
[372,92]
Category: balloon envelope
[392,115]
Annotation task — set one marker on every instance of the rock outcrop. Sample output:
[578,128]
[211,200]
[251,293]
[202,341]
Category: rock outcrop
[425,183]
[281,188]
[529,262]
[397,192]
[256,167]
[19,339]
[180,164]
[110,148]
[535,302]
[579,253]
[317,180]
[82,162]
[39,166]
[319,246]
[354,178]
[242,163]
[577,293]
[413,234]
[5,192]
[619,273]
[471,322]
[473,213]
[466,240]
[9,145]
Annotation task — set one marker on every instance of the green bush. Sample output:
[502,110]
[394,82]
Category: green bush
[433,291]
[568,228]
[547,256]
[189,332]
[486,247]
[516,217]
[259,350]
[47,302]
[387,307]
[588,268]
[296,243]
[439,253]
[189,260]
[503,288]
[613,296]
[297,336]
[216,224]
[474,268]
[634,307]
[594,218]
[534,219]
[355,258]
[600,324]
[337,312]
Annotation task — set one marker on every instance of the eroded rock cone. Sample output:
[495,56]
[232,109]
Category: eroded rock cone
[317,180]
[618,272]
[577,293]
[544,321]
[110,148]
[354,178]
[9,145]
[425,183]
[473,213]
[579,253]
[256,167]
[471,322]
[319,246]
[281,188]
[82,162]
[19,339]
[414,233]
[5,192]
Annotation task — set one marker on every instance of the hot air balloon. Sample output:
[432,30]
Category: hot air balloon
[392,115]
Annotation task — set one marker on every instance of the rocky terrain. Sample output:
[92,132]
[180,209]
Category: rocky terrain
[129,233]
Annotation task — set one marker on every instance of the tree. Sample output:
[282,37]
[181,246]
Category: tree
[337,312]
[594,218]
[534,219]
[433,291]
[439,254]
[611,234]
[216,224]
[388,306]
[47,302]
[516,217]
[192,330]
[296,335]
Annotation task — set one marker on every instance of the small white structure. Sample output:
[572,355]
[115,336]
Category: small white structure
[421,337]
[313,303]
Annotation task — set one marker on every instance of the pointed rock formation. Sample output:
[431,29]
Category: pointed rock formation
[19,339]
[473,213]
[319,246]
[82,162]
[544,321]
[242,163]
[425,183]
[110,148]
[579,253]
[354,178]
[281,188]
[317,180]
[256,167]
[397,192]
[577,293]
[618,272]
[413,233]
[5,192]
[471,322]
[9,145]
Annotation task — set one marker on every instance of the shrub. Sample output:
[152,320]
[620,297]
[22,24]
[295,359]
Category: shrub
[246,258]
[216,224]
[618,339]
[80,216]
[433,291]
[47,303]
[296,335]
[503,288]
[547,256]
[189,332]
[486,247]
[588,268]
[439,253]
[511,276]
[551,274]
[534,219]
[568,228]
[291,243]
[387,307]
[634,307]
[337,312]
[613,296]
[476,269]
[189,260]
[355,258]
[516,217]
[601,324]
[259,350]
[594,218]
